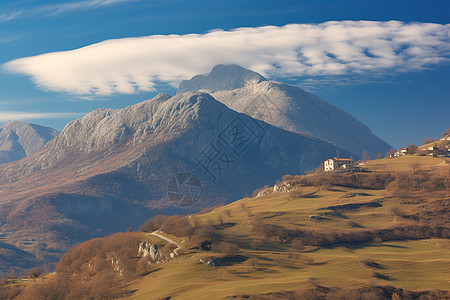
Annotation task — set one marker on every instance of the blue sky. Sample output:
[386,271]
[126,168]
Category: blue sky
[392,76]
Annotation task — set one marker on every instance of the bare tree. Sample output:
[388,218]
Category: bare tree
[287,177]
[411,149]
[228,249]
[390,152]
[365,156]
[253,262]
[445,133]
[427,140]
[35,272]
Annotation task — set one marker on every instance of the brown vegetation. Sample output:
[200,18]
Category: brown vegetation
[176,225]
[226,248]
[9,289]
[95,269]
[374,181]
[35,272]
[445,133]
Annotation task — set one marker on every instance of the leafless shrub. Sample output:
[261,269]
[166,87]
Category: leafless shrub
[353,224]
[287,177]
[227,248]
[35,272]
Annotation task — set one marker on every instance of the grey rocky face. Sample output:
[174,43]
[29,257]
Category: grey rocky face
[21,139]
[288,107]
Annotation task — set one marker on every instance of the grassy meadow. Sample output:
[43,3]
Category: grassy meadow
[272,266]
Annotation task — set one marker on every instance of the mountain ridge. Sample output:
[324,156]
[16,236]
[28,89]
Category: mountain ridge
[291,108]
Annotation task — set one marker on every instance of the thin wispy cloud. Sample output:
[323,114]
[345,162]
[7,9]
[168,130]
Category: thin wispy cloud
[5,17]
[55,9]
[132,65]
[16,115]
[60,8]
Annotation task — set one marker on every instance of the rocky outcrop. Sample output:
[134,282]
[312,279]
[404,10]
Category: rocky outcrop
[211,261]
[264,192]
[149,250]
[283,187]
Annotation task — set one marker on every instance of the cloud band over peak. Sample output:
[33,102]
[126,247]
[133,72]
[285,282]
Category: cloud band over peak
[132,65]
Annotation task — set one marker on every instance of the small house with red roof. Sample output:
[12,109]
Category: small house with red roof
[401,152]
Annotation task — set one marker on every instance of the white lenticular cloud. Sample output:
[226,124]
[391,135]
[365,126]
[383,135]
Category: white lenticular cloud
[132,65]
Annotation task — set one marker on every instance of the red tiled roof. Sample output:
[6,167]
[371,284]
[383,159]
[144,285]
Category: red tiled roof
[343,159]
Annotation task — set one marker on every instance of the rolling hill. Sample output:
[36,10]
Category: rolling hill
[341,236]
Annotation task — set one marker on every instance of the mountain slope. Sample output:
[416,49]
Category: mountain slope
[21,139]
[115,168]
[288,107]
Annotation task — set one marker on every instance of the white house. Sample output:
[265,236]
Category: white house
[338,164]
[401,152]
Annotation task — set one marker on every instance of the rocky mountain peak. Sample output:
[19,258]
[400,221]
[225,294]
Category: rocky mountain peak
[286,106]
[221,77]
[19,139]
[106,128]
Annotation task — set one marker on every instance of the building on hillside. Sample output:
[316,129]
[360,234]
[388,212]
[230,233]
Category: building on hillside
[401,152]
[433,151]
[333,164]
[446,150]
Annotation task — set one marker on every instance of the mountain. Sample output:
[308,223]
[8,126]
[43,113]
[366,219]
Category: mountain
[114,168]
[286,106]
[21,139]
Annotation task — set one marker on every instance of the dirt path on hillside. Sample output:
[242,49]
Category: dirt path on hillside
[155,233]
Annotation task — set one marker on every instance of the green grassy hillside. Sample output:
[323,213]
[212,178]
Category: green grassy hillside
[406,163]
[276,266]
[379,233]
